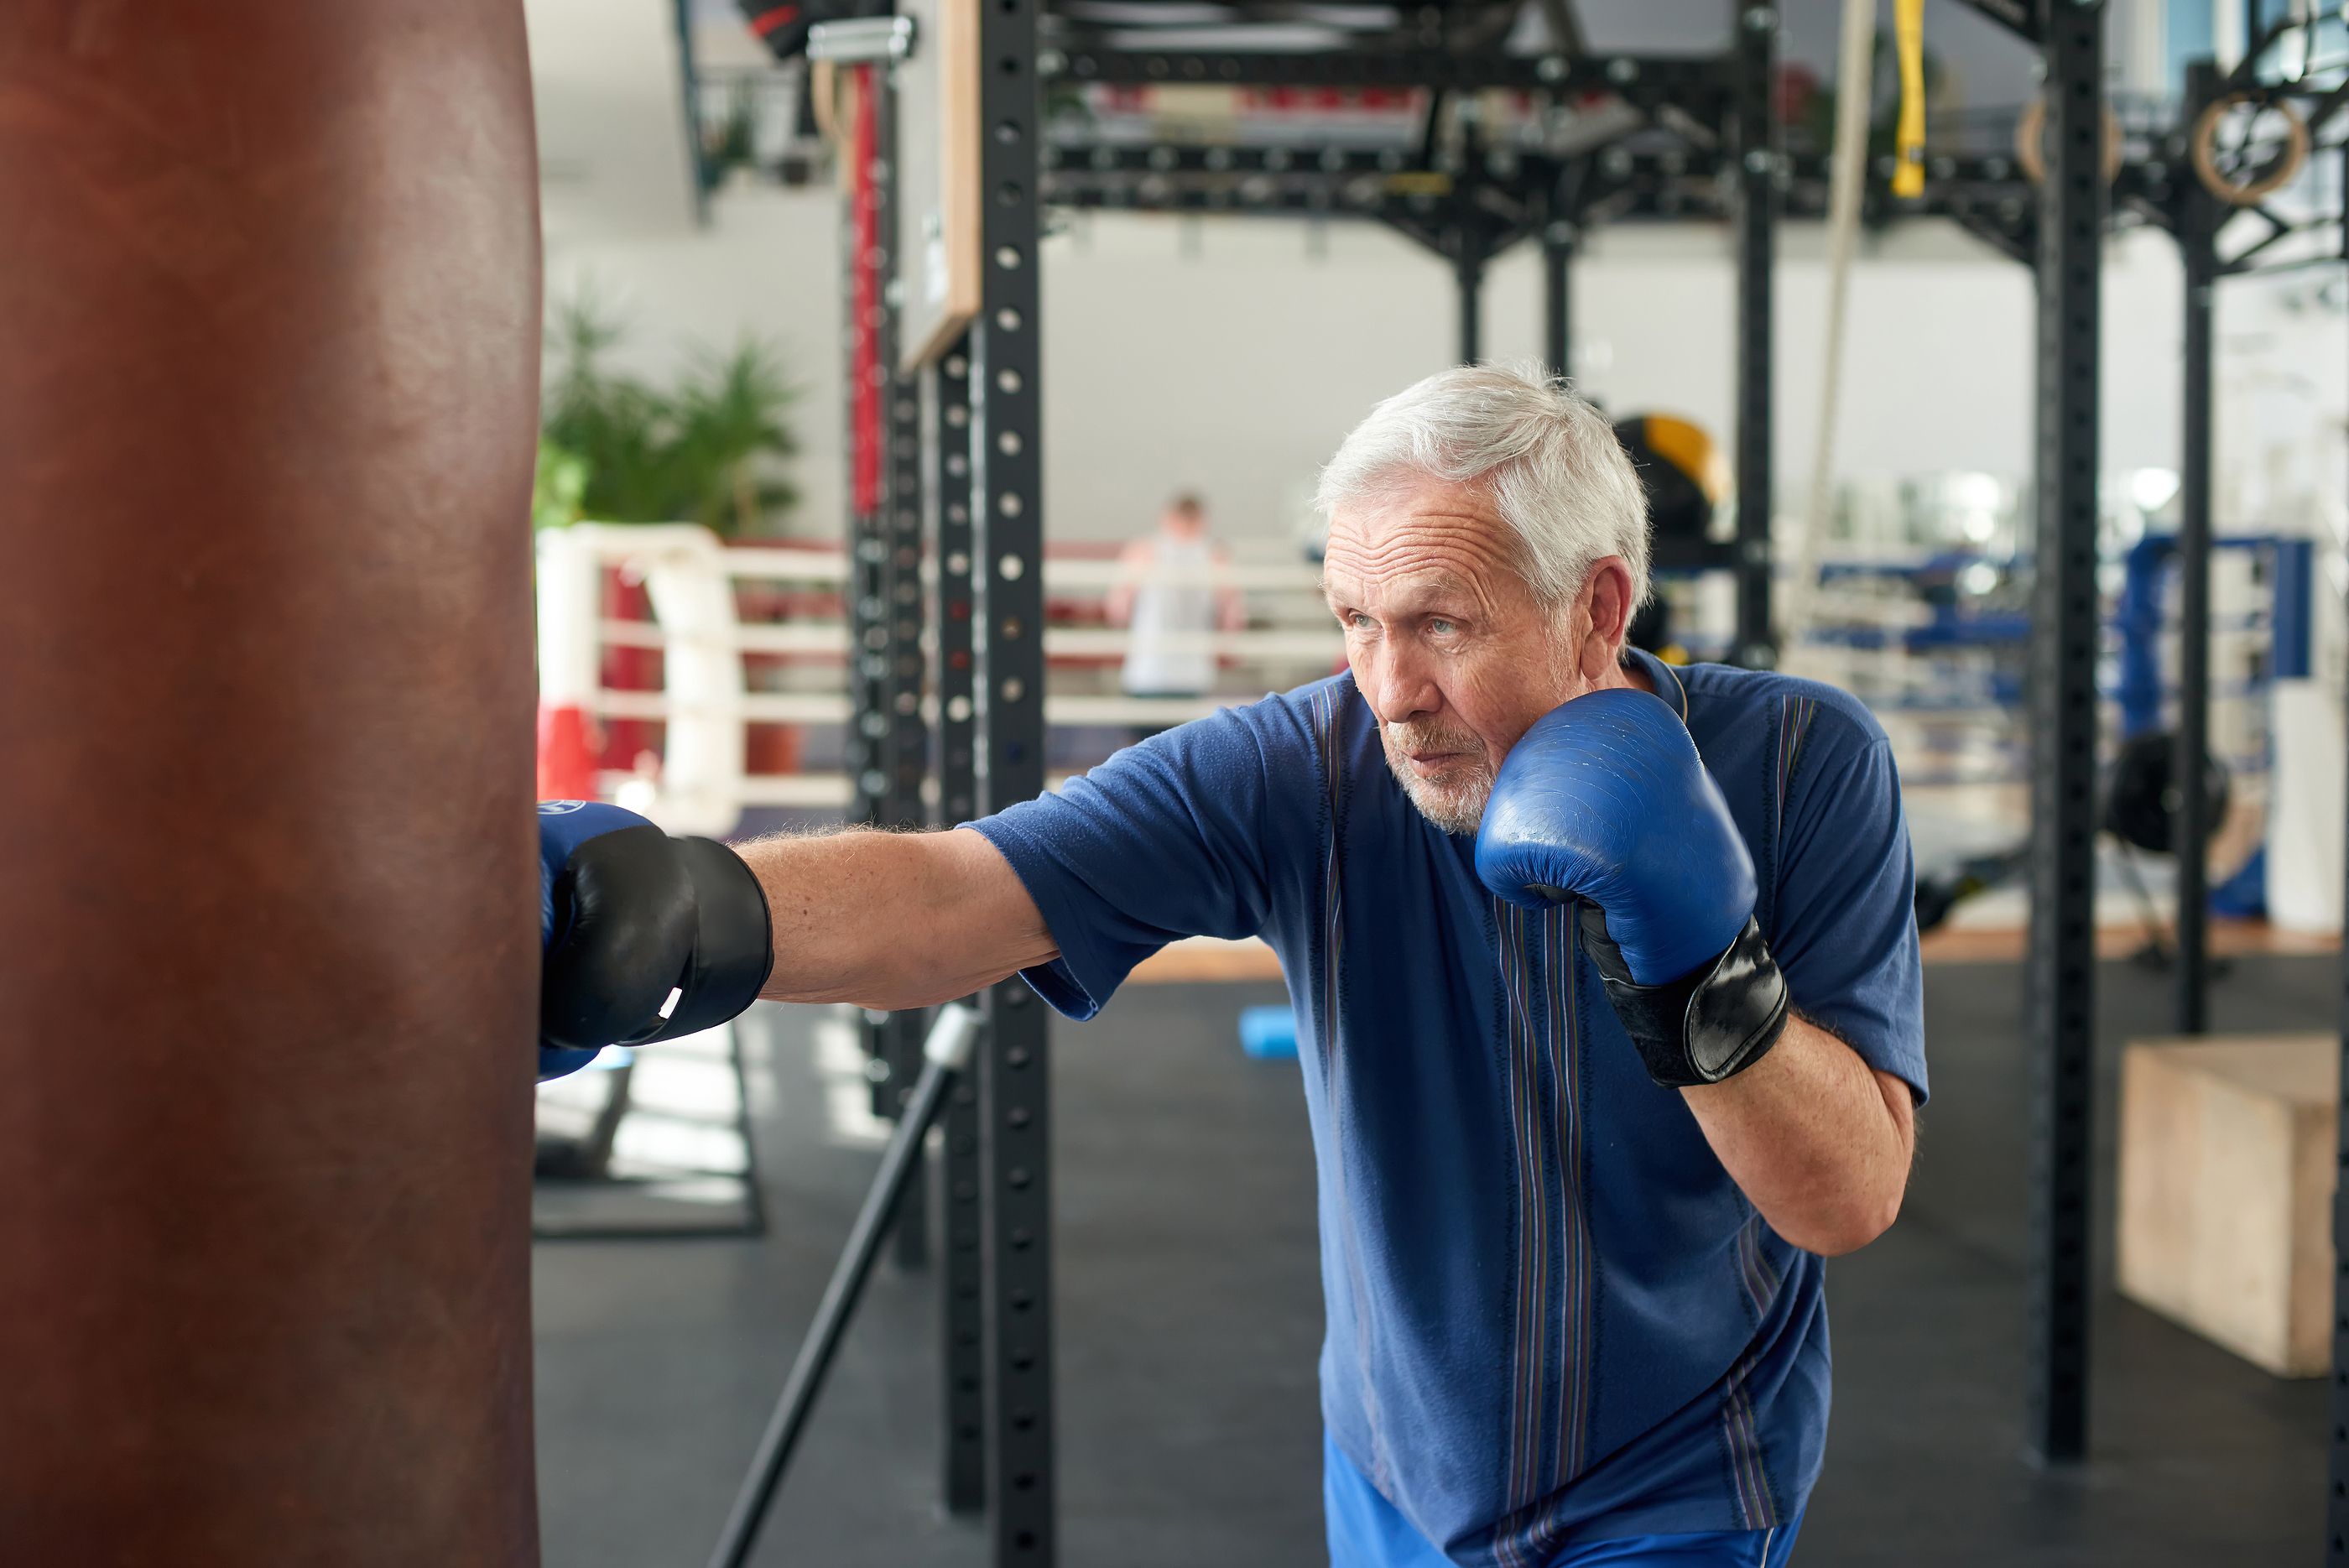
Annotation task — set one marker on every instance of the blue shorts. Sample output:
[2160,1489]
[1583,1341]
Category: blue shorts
[1366,1530]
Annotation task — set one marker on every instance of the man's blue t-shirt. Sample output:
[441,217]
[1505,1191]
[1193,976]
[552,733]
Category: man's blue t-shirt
[1551,1316]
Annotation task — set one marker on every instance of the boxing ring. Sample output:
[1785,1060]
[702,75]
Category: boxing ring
[698,777]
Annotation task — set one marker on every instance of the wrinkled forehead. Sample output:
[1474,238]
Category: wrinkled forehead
[1428,538]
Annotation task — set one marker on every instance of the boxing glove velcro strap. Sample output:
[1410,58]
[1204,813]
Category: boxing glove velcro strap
[734,943]
[1713,1023]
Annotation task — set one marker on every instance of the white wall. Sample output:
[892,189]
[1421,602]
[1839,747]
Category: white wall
[1239,368]
[608,82]
[1232,355]
[768,264]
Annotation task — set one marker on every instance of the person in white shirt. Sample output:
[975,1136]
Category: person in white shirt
[1173,596]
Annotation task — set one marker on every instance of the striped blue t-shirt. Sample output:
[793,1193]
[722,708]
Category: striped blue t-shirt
[1551,1316]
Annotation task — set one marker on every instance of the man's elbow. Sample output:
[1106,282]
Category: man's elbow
[1844,1228]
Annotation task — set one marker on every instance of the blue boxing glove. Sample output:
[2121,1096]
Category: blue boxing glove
[646,936]
[1605,800]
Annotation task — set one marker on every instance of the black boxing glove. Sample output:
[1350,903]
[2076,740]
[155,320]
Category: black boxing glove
[646,936]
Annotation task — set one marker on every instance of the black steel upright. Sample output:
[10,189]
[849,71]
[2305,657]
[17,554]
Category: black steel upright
[2061,981]
[871,345]
[1007,518]
[1755,147]
[1468,278]
[865,231]
[888,742]
[2196,224]
[1471,249]
[962,1283]
[903,741]
[1558,236]
[688,78]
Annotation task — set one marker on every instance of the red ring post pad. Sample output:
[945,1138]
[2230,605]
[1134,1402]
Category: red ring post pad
[268,403]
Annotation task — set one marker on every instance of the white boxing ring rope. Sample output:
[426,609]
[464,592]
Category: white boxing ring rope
[703,784]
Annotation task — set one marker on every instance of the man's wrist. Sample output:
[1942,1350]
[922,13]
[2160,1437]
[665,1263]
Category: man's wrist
[1711,1023]
[734,945]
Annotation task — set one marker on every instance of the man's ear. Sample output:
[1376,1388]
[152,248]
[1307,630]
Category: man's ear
[1605,607]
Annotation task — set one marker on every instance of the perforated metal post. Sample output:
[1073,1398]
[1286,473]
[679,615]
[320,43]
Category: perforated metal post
[871,345]
[961,1280]
[900,739]
[885,632]
[2061,994]
[1751,124]
[1007,516]
[868,348]
[947,444]
[2196,225]
[908,742]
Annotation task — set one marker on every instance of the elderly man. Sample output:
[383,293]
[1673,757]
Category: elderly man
[1607,973]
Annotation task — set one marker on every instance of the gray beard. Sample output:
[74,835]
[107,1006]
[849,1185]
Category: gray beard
[1455,806]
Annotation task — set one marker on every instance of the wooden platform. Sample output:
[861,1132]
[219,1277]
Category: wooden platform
[2228,938]
[1209,959]
[2226,1190]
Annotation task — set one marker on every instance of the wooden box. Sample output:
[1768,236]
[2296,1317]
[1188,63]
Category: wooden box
[2226,1190]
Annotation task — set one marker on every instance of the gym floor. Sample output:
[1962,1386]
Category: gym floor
[1190,1316]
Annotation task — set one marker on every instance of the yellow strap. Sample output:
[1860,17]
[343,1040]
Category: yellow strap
[1908,138]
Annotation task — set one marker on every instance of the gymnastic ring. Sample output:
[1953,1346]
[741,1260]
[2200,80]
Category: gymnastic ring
[2280,173]
[2031,125]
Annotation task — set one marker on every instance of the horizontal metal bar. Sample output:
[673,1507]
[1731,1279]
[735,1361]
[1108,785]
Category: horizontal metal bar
[2018,16]
[797,792]
[1677,75]
[1667,182]
[778,563]
[821,639]
[834,708]
[830,565]
[861,40]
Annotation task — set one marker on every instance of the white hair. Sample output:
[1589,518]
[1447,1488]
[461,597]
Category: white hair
[1548,459]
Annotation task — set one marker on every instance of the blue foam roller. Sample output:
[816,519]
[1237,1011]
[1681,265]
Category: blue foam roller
[1268,1034]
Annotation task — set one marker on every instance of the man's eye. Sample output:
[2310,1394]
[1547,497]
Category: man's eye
[1358,621]
[1441,627]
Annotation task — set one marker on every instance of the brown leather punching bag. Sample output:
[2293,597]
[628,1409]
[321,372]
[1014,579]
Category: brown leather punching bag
[268,947]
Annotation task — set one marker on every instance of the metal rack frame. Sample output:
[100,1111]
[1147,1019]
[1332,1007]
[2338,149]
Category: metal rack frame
[2061,977]
[1007,574]
[1470,202]
[889,748]
[2197,220]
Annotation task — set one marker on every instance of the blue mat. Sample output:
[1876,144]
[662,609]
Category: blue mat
[1268,1034]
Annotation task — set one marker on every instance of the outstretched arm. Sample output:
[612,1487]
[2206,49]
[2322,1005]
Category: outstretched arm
[648,936]
[894,919]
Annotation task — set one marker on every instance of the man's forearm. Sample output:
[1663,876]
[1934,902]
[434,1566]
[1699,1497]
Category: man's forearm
[893,920]
[1818,1140]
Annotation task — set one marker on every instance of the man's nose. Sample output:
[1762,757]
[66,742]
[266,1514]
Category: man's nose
[1400,689]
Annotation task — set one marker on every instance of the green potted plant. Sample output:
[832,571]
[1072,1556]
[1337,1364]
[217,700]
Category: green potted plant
[616,449]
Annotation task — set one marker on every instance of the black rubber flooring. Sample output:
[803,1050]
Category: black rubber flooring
[1190,1316]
